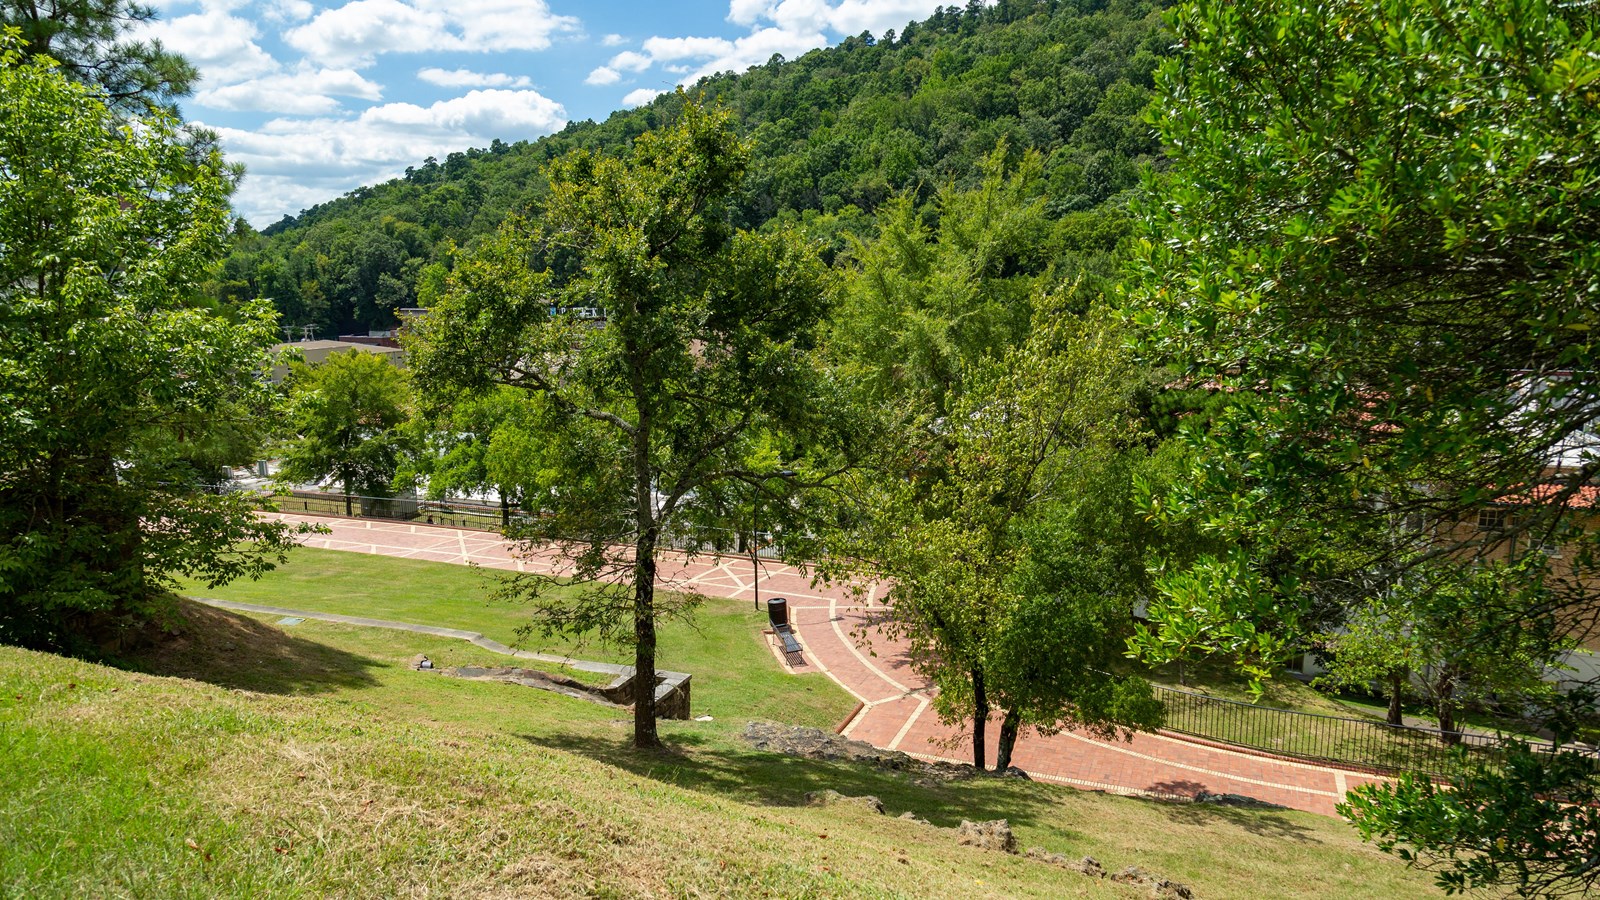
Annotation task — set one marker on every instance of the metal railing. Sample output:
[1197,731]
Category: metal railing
[476,515]
[1364,743]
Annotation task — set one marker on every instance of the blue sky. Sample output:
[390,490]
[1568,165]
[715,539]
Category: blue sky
[316,98]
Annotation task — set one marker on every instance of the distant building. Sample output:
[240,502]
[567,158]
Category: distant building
[317,352]
[389,338]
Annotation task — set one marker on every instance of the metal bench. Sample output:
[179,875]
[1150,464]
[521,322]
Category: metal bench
[778,615]
[786,634]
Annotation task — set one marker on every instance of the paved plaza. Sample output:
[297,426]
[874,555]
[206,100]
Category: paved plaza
[841,639]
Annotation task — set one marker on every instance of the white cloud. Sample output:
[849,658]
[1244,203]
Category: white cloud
[664,49]
[498,113]
[220,45]
[758,47]
[287,11]
[307,91]
[747,12]
[630,61]
[461,78]
[293,163]
[845,17]
[356,33]
[503,24]
[360,31]
[802,15]
[709,55]
[794,27]
[878,16]
[641,96]
[613,40]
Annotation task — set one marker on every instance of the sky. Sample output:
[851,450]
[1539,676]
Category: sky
[318,98]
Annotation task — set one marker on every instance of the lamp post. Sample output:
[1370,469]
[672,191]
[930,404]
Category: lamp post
[755,538]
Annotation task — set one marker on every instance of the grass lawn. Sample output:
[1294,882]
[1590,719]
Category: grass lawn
[314,763]
[722,647]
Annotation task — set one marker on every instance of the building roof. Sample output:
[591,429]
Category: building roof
[1584,496]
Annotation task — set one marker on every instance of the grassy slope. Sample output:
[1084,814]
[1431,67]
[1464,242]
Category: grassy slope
[722,647]
[356,776]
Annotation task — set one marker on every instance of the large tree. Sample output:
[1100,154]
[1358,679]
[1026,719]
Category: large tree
[700,378]
[1426,637]
[107,374]
[1008,605]
[477,443]
[89,38]
[347,418]
[1378,235]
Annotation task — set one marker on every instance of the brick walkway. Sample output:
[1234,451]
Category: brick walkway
[895,713]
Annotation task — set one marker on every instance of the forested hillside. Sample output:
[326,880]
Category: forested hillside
[836,133]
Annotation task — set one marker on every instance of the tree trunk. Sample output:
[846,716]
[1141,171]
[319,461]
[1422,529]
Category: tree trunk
[1396,687]
[505,514]
[1445,708]
[644,648]
[1009,728]
[347,487]
[980,720]
[644,595]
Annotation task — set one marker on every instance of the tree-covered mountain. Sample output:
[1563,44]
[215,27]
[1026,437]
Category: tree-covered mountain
[836,133]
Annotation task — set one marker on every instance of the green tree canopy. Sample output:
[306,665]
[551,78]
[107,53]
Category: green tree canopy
[701,377]
[1378,235]
[476,443]
[834,134]
[89,40]
[107,374]
[1006,601]
[347,418]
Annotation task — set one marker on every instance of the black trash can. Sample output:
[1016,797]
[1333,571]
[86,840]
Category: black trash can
[778,611]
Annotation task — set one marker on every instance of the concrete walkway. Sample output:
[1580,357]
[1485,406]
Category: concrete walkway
[471,637]
[841,639]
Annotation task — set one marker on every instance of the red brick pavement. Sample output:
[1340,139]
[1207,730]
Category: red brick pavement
[840,638]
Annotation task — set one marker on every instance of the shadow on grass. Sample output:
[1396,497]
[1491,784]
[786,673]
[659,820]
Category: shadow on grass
[235,651]
[697,763]
[1264,822]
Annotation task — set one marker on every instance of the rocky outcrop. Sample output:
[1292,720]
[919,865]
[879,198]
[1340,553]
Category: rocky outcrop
[1088,865]
[672,688]
[814,743]
[832,797]
[995,835]
[1239,800]
[1160,888]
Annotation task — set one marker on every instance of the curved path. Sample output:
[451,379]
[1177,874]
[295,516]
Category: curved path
[895,711]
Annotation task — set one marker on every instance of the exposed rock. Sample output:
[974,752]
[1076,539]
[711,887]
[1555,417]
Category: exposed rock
[913,817]
[814,743]
[994,835]
[831,797]
[1087,866]
[1014,772]
[1235,800]
[545,681]
[1160,888]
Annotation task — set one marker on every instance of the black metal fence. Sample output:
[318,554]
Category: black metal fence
[1365,743]
[453,513]
[479,516]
